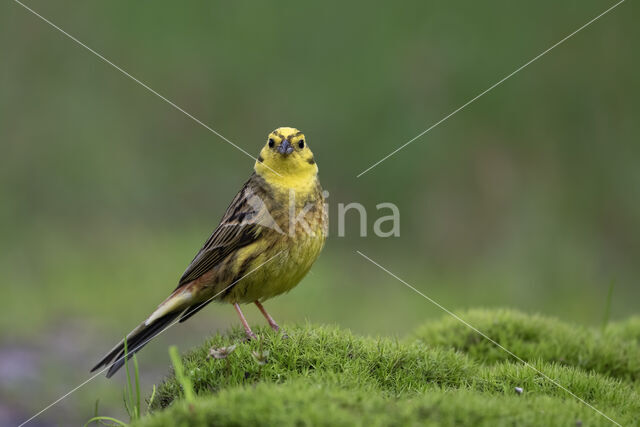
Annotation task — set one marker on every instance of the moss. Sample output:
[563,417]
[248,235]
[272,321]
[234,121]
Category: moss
[627,330]
[614,353]
[438,375]
[299,403]
[321,352]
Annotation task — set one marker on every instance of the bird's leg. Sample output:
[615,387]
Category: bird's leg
[247,329]
[272,322]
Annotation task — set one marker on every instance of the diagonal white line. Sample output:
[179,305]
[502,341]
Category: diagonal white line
[55,402]
[489,89]
[557,384]
[174,105]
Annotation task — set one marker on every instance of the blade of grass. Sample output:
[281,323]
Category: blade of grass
[113,420]
[136,370]
[153,396]
[184,380]
[607,307]
[124,400]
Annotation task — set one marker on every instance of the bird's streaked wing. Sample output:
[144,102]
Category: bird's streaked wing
[236,230]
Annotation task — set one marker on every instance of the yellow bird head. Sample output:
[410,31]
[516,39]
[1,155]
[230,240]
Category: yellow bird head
[286,158]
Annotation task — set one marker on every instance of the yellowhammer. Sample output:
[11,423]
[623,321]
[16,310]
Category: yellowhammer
[267,241]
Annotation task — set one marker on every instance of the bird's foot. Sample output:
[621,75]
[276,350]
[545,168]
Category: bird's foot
[277,328]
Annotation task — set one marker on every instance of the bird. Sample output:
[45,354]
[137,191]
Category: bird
[267,241]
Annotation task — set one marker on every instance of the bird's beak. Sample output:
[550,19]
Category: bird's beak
[285,148]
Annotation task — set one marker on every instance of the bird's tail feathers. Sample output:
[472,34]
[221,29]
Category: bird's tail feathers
[136,339]
[161,318]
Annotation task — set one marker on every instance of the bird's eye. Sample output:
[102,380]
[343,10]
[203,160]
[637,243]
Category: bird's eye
[301,143]
[271,143]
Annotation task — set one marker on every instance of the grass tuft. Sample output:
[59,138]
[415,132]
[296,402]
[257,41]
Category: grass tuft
[131,395]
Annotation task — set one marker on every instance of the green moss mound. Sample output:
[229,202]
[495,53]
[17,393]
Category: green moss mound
[298,403]
[612,352]
[439,375]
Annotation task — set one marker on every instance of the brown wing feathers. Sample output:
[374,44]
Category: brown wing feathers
[232,234]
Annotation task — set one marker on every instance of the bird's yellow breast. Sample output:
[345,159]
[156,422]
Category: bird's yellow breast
[283,258]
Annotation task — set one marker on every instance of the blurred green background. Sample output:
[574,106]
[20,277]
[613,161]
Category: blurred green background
[528,198]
